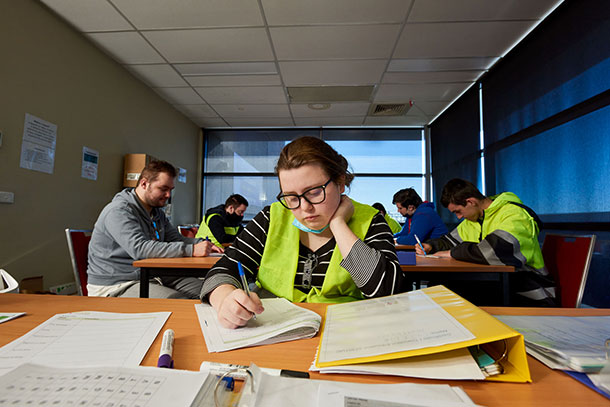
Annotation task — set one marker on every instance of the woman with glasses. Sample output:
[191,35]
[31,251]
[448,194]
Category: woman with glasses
[314,245]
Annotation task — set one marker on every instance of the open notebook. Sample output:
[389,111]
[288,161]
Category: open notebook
[280,322]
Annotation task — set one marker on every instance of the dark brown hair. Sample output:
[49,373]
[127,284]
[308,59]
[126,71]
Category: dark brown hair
[235,201]
[312,150]
[154,168]
[458,190]
[406,197]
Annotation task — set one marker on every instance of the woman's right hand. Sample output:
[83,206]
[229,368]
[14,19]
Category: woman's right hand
[233,306]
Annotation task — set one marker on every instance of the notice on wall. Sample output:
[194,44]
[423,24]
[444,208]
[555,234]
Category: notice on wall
[182,175]
[90,159]
[38,145]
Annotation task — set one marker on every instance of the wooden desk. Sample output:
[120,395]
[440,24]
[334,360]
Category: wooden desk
[443,270]
[549,387]
[405,247]
[179,266]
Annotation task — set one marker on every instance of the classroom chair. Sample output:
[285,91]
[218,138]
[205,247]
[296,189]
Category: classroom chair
[567,258]
[188,230]
[78,245]
[7,283]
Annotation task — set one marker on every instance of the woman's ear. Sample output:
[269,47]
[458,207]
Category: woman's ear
[341,184]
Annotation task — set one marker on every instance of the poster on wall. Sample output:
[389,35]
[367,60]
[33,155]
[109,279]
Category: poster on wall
[182,175]
[90,159]
[38,145]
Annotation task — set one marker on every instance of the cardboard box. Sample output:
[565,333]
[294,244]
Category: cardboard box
[134,164]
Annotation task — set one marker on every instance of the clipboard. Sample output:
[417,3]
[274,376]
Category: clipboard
[501,342]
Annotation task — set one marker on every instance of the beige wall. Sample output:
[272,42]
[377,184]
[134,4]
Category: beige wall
[49,70]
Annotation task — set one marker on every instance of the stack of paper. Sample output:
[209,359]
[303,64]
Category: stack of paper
[281,321]
[566,343]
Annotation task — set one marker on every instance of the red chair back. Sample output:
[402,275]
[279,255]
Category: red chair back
[567,258]
[78,245]
[188,231]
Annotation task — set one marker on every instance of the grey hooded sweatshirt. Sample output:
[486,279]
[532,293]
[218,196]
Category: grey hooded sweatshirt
[125,232]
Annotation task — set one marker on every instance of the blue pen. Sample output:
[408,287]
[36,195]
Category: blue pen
[420,245]
[244,282]
[207,239]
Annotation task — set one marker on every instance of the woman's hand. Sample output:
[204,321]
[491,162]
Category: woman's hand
[344,211]
[233,306]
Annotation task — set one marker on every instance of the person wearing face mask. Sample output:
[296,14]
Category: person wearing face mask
[223,222]
[314,245]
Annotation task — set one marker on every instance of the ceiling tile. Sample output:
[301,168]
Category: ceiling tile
[237,44]
[158,75]
[282,12]
[329,121]
[156,14]
[335,110]
[209,122]
[430,108]
[228,68]
[200,110]
[234,80]
[395,121]
[479,10]
[92,15]
[336,42]
[480,39]
[417,92]
[126,47]
[180,96]
[431,77]
[358,72]
[243,95]
[258,110]
[259,121]
[440,64]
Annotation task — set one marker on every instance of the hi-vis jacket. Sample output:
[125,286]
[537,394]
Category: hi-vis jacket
[226,230]
[507,234]
[280,257]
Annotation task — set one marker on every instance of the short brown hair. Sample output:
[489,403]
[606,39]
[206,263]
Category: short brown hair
[235,200]
[312,150]
[154,168]
[458,190]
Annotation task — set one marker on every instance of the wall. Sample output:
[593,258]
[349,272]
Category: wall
[49,70]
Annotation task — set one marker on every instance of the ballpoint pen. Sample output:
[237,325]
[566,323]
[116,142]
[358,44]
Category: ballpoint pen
[244,282]
[420,245]
[167,348]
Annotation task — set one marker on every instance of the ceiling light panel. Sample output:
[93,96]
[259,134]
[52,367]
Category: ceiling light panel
[126,47]
[212,45]
[337,42]
[158,75]
[243,95]
[93,15]
[418,92]
[356,72]
[480,39]
[335,110]
[321,94]
[479,10]
[282,12]
[161,14]
[431,77]
[234,80]
[258,110]
[440,64]
[231,68]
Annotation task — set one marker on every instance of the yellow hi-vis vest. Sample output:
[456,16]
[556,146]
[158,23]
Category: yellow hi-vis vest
[204,230]
[278,266]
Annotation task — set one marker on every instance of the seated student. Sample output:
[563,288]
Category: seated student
[496,230]
[223,222]
[133,227]
[392,223]
[314,245]
[422,219]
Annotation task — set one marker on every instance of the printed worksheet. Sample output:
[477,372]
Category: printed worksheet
[86,338]
[385,325]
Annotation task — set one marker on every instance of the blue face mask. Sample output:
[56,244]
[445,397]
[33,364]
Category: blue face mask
[304,228]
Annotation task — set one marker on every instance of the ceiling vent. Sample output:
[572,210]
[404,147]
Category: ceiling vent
[389,109]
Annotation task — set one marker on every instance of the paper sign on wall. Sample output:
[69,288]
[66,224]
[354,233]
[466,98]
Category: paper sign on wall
[182,175]
[90,159]
[38,145]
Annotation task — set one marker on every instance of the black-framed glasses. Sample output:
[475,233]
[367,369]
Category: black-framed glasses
[314,196]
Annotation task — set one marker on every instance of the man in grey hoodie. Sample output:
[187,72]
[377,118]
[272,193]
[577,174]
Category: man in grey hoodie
[133,227]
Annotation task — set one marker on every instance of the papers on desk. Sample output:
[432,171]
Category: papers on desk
[273,391]
[31,384]
[280,322]
[85,338]
[567,343]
